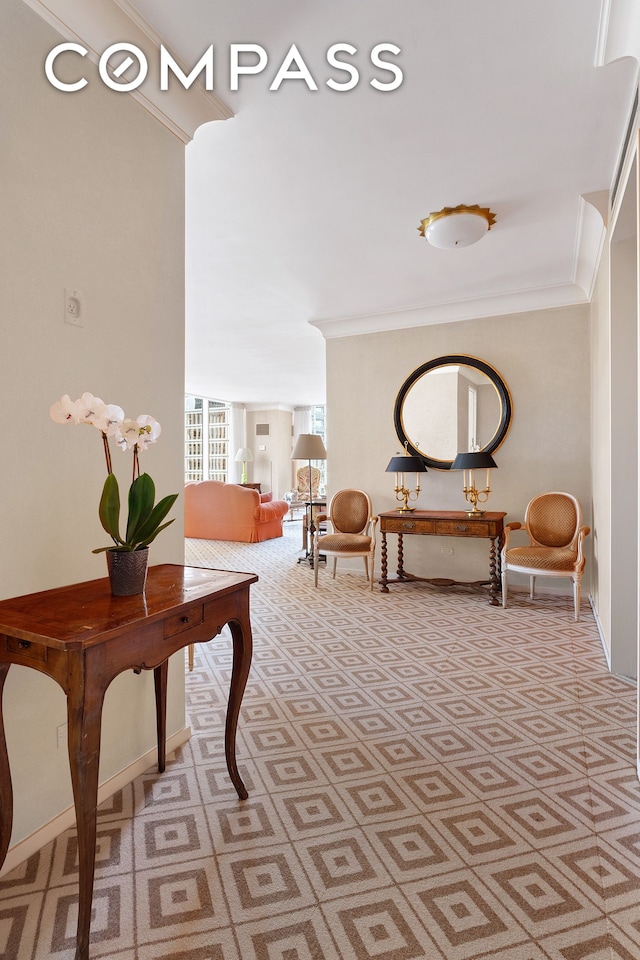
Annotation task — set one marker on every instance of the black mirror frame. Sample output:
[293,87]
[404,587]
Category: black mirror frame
[506,406]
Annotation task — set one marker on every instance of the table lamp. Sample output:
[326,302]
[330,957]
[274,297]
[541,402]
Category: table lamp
[243,456]
[476,460]
[400,465]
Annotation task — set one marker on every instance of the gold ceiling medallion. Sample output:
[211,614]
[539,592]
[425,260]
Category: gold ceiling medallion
[457,226]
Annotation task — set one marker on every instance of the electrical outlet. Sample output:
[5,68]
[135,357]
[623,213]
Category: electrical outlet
[62,735]
[447,551]
[73,309]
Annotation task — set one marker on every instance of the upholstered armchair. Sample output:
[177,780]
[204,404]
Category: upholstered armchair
[351,531]
[304,489]
[553,524]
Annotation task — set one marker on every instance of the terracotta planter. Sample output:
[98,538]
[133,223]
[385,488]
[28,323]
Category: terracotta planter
[127,571]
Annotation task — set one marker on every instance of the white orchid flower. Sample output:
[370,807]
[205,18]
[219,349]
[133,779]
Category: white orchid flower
[139,432]
[87,409]
[90,409]
[149,431]
[64,410]
[110,419]
[127,434]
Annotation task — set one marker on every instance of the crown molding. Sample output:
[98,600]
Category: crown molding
[99,23]
[268,407]
[619,31]
[521,301]
[591,234]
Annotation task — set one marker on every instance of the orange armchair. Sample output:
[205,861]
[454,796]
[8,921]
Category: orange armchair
[227,511]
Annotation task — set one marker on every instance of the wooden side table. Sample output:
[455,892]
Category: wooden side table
[82,638]
[442,523]
[252,486]
[312,509]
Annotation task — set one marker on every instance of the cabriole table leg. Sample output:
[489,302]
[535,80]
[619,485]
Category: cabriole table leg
[6,789]
[84,712]
[242,652]
[160,675]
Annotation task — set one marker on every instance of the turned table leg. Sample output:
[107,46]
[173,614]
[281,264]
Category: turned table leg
[494,581]
[383,571]
[400,557]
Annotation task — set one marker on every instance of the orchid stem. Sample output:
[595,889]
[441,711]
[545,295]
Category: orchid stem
[107,452]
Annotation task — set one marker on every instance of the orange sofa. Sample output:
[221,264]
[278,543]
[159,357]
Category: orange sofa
[227,511]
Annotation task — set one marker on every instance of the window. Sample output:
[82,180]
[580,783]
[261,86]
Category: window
[318,425]
[206,439]
[193,439]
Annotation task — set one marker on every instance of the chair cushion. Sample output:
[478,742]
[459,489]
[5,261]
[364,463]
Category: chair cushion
[344,542]
[542,558]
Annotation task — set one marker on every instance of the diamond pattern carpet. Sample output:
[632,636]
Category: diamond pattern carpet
[428,776]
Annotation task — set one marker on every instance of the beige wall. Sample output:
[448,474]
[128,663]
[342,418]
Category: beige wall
[601,452]
[271,466]
[614,440]
[92,198]
[543,357]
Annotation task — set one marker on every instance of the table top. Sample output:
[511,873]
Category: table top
[86,613]
[440,515]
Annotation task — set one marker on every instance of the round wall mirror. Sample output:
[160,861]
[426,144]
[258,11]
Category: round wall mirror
[452,405]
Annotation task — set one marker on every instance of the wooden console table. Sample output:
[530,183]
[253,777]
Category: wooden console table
[82,637]
[442,523]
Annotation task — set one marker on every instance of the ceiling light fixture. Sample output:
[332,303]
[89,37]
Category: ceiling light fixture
[457,226]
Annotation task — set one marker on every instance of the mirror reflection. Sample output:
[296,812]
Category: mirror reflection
[452,405]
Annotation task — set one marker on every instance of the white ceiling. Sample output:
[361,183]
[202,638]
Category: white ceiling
[303,208]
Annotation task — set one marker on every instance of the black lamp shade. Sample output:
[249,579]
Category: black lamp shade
[474,461]
[406,464]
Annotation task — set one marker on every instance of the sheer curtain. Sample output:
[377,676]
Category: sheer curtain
[237,439]
[301,424]
[301,421]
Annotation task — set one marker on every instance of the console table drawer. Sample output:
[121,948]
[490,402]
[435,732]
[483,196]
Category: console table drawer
[27,649]
[184,621]
[462,528]
[402,525]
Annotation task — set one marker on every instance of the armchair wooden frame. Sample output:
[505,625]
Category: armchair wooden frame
[553,523]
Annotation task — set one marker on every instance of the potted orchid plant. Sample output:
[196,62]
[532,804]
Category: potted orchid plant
[145,518]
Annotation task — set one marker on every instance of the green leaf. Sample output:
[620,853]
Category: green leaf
[142,494]
[121,548]
[148,530]
[109,509]
[145,543]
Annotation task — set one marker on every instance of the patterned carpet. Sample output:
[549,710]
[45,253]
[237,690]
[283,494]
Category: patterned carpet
[429,777]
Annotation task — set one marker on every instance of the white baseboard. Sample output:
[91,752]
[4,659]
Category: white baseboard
[605,648]
[25,848]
